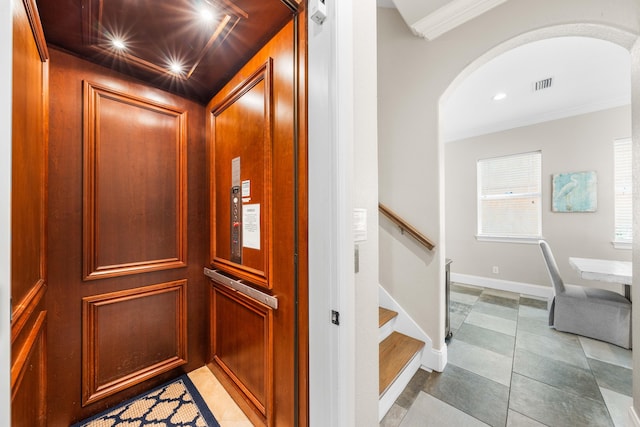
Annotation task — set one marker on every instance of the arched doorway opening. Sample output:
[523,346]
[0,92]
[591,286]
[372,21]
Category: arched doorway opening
[612,35]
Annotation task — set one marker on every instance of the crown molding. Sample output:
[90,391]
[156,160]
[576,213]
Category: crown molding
[451,15]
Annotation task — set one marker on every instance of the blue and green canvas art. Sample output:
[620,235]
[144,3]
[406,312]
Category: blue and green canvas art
[575,192]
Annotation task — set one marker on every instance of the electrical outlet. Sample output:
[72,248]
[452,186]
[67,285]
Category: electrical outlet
[495,269]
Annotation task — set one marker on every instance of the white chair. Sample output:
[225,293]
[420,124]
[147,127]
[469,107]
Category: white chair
[595,313]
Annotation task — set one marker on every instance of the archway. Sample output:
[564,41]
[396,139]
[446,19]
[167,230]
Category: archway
[617,36]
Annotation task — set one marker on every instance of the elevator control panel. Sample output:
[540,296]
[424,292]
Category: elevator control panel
[236,224]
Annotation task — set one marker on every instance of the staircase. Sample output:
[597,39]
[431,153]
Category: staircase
[399,360]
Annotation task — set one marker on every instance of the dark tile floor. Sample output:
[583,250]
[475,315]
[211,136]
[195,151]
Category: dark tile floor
[506,367]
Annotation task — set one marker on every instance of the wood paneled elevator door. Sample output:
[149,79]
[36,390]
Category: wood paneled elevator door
[254,177]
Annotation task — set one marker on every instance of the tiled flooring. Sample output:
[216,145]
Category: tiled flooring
[506,367]
[227,413]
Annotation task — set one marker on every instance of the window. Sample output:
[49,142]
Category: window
[623,194]
[509,197]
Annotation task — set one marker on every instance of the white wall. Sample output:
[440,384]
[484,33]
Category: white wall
[6,43]
[324,338]
[413,74]
[343,176]
[579,143]
[365,196]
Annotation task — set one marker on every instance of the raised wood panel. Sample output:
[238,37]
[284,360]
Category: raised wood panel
[29,377]
[132,335]
[249,104]
[30,102]
[29,155]
[24,314]
[31,10]
[242,345]
[65,241]
[135,184]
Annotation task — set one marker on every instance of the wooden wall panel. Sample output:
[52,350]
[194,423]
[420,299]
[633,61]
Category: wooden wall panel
[28,217]
[29,376]
[285,239]
[132,335]
[242,345]
[134,184]
[250,104]
[285,275]
[67,288]
[29,156]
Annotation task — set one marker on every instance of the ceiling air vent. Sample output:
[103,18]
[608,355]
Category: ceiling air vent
[542,84]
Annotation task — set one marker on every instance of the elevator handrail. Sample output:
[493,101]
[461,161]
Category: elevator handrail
[238,286]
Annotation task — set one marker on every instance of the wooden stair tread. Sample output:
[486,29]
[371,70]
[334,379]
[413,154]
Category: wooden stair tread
[385,315]
[395,352]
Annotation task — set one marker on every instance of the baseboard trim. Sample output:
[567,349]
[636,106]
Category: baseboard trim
[633,417]
[434,360]
[504,285]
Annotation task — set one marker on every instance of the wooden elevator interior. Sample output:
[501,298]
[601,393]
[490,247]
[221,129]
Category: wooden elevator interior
[133,123]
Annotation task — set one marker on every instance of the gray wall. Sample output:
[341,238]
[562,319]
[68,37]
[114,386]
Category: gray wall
[579,143]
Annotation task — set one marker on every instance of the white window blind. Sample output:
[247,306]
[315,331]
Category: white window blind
[509,196]
[623,193]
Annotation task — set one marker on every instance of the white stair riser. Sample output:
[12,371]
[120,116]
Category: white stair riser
[386,329]
[397,386]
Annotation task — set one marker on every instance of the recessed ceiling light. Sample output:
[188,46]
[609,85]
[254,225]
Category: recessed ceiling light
[206,14]
[175,68]
[118,44]
[499,96]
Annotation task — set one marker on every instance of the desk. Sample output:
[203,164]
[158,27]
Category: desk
[605,270]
